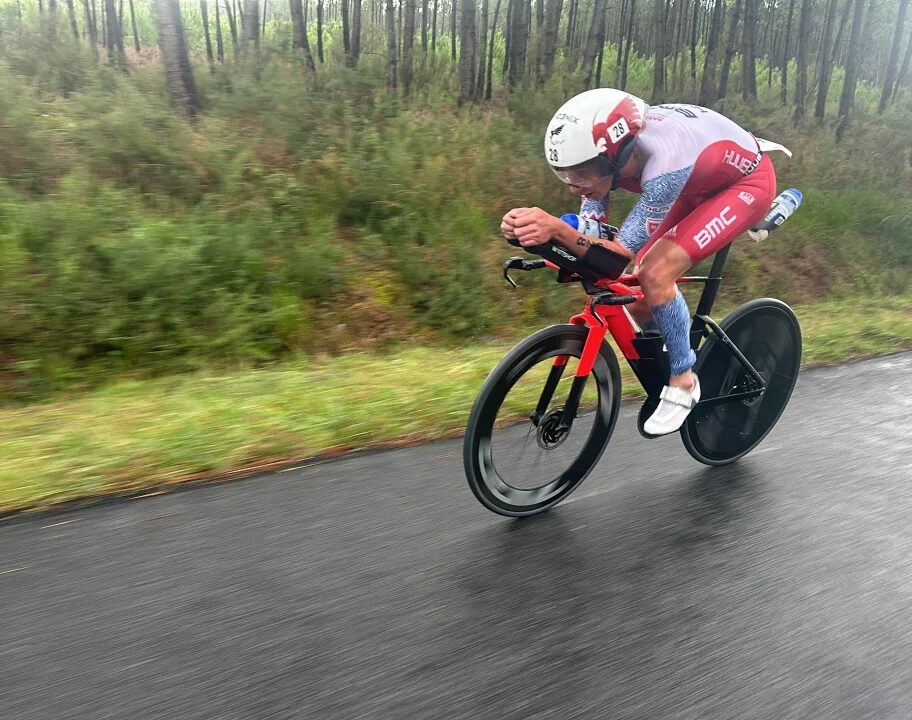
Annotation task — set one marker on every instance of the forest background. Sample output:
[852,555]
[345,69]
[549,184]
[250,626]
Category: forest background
[281,217]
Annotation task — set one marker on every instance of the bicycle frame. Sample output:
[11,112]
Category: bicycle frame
[604,314]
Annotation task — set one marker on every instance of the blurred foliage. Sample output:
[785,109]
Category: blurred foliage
[320,215]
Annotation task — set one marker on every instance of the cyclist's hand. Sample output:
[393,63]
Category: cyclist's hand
[535,226]
[508,224]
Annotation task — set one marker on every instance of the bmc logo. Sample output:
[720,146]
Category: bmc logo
[714,228]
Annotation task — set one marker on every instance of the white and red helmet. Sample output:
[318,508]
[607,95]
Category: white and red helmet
[597,125]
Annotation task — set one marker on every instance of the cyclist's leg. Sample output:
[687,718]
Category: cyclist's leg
[665,262]
[707,229]
[641,310]
[720,219]
[702,232]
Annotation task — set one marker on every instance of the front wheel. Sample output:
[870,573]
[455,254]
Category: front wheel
[766,331]
[519,458]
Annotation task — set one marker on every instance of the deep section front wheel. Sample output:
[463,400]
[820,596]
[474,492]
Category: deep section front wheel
[519,457]
[766,331]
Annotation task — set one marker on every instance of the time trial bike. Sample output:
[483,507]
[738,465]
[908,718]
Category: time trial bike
[546,412]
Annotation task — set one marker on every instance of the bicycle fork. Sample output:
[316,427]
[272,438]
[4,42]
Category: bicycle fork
[598,328]
[587,360]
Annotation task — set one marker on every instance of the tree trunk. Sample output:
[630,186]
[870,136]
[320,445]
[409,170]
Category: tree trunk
[658,75]
[907,60]
[837,49]
[251,24]
[729,49]
[518,42]
[893,62]
[114,36]
[320,11]
[391,47]
[678,13]
[355,32]
[204,13]
[549,38]
[825,61]
[232,25]
[424,27]
[453,32]
[508,35]
[847,98]
[94,23]
[52,18]
[219,43]
[708,85]
[71,10]
[774,43]
[783,94]
[749,65]
[433,29]
[262,28]
[601,57]
[619,27]
[91,30]
[595,40]
[134,28]
[571,23]
[482,51]
[466,51]
[299,41]
[408,45]
[804,32]
[488,80]
[625,63]
[693,45]
[176,61]
[346,34]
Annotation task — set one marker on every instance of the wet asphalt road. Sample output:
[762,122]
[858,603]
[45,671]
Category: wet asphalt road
[377,587]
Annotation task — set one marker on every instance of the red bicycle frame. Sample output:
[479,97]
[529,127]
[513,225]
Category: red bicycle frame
[644,352]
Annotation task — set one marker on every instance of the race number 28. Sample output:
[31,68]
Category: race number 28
[618,130]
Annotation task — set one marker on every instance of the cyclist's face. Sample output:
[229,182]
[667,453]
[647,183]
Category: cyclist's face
[595,187]
[588,179]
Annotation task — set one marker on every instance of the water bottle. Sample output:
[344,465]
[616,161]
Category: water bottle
[783,206]
[589,227]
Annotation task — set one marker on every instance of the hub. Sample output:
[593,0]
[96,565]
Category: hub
[747,383]
[550,434]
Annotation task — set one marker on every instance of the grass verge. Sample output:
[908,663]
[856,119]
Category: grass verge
[149,435]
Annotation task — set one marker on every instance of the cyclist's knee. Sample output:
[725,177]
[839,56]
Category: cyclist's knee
[659,272]
[657,276]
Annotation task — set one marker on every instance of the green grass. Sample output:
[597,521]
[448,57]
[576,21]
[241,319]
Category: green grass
[150,434]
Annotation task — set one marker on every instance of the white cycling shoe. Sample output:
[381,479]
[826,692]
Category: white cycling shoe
[674,407]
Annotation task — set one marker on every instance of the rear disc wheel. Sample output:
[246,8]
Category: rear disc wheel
[766,331]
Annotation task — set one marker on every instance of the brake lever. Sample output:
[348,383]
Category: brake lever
[518,263]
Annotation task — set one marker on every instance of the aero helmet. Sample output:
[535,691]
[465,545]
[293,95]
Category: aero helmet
[594,131]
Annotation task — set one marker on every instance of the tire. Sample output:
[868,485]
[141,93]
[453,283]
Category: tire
[766,331]
[500,425]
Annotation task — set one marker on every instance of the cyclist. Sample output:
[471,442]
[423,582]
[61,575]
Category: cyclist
[702,179]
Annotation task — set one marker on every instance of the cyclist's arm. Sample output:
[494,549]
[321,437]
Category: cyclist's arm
[579,244]
[659,194]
